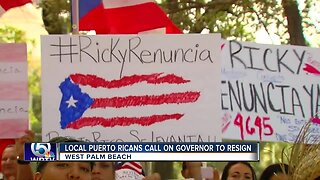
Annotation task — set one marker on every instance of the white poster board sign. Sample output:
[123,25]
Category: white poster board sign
[13,90]
[268,91]
[152,88]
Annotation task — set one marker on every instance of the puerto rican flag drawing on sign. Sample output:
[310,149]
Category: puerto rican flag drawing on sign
[75,102]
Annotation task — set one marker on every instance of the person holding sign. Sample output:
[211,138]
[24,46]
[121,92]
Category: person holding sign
[12,162]
[63,170]
[24,170]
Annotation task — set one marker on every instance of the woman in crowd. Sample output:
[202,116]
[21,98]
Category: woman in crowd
[238,171]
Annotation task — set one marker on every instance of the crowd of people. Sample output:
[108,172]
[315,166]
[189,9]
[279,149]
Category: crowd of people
[15,168]
[237,171]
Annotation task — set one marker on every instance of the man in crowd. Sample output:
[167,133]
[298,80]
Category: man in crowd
[12,164]
[191,170]
[9,162]
[103,171]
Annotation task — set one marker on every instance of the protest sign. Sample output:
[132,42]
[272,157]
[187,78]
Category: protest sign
[268,91]
[13,90]
[133,88]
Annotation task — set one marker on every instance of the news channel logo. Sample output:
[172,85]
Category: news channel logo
[40,152]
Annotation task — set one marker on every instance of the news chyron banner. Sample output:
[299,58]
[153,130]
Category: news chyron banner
[142,152]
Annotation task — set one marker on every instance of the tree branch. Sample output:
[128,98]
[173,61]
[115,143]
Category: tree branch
[212,4]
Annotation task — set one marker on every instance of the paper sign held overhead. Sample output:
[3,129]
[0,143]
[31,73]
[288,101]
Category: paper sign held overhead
[269,92]
[131,88]
[13,90]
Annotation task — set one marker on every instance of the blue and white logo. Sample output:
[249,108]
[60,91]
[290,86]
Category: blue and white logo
[41,149]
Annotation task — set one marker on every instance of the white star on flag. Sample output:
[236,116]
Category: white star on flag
[72,102]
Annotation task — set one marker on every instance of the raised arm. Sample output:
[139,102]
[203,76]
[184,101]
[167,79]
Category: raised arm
[24,170]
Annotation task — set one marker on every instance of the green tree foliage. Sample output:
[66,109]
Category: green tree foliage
[35,98]
[291,21]
[12,35]
[56,16]
[241,19]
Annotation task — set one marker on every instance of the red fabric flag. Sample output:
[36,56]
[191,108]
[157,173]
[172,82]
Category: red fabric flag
[5,5]
[123,17]
[129,171]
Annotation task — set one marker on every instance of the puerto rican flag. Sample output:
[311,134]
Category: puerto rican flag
[123,17]
[5,5]
[129,171]
[78,98]
[134,166]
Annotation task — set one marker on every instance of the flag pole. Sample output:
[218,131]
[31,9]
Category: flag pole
[75,16]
